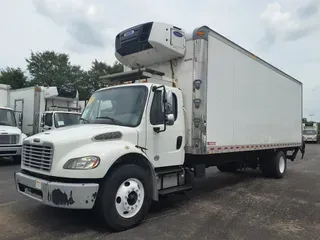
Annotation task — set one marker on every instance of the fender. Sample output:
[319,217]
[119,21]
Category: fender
[110,152]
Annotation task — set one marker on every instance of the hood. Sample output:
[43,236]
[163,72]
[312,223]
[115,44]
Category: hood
[9,130]
[82,132]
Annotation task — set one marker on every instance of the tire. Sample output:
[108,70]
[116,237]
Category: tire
[125,197]
[16,159]
[228,167]
[274,167]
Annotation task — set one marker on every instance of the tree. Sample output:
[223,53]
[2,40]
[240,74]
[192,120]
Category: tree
[99,69]
[49,68]
[79,79]
[14,77]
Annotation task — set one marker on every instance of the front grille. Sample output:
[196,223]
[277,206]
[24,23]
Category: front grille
[9,139]
[37,156]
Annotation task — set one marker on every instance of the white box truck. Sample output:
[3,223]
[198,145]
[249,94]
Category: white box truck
[190,102]
[45,108]
[310,132]
[11,136]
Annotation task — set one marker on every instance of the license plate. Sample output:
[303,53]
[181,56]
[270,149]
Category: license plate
[38,184]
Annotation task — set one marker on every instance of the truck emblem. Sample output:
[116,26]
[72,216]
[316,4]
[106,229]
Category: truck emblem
[178,34]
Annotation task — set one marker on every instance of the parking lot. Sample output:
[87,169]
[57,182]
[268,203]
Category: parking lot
[222,206]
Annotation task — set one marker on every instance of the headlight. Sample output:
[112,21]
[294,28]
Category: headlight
[82,163]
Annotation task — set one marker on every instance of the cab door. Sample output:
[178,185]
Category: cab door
[165,143]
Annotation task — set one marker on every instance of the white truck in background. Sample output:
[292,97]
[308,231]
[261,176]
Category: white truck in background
[11,136]
[310,132]
[45,108]
[191,101]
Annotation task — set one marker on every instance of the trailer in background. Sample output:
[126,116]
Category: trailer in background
[45,108]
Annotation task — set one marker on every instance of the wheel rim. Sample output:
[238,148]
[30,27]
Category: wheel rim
[281,164]
[129,198]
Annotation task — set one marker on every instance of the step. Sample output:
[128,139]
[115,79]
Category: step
[175,189]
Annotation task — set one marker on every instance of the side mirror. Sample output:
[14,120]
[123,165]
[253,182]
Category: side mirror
[170,119]
[42,124]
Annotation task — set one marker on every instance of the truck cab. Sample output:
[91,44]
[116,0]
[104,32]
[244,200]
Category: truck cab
[56,119]
[11,136]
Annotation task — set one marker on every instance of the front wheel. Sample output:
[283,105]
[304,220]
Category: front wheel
[125,197]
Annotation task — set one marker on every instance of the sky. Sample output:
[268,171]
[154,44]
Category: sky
[285,33]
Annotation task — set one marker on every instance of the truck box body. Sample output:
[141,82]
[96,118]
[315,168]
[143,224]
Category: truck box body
[244,102]
[27,102]
[248,101]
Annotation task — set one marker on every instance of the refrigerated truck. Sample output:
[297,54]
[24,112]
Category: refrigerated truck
[11,136]
[310,132]
[189,102]
[45,108]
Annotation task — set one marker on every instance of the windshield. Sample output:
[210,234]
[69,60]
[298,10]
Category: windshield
[119,106]
[66,119]
[309,132]
[7,118]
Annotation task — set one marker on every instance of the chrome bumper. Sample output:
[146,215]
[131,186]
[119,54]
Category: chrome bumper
[56,194]
[7,150]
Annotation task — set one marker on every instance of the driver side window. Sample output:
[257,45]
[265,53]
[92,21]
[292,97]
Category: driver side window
[156,112]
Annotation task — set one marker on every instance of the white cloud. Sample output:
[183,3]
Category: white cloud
[283,32]
[289,26]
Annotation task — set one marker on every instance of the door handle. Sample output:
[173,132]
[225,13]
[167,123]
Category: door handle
[179,142]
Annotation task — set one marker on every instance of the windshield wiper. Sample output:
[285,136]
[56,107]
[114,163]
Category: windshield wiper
[84,120]
[110,118]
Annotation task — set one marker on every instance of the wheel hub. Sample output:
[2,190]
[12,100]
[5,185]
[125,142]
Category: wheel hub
[129,198]
[281,164]
[132,198]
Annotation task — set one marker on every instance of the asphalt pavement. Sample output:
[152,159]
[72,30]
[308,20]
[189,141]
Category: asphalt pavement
[221,206]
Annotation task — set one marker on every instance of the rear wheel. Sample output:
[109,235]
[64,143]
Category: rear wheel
[125,197]
[276,166]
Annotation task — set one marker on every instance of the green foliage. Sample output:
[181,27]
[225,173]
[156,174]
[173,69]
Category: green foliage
[49,68]
[14,77]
